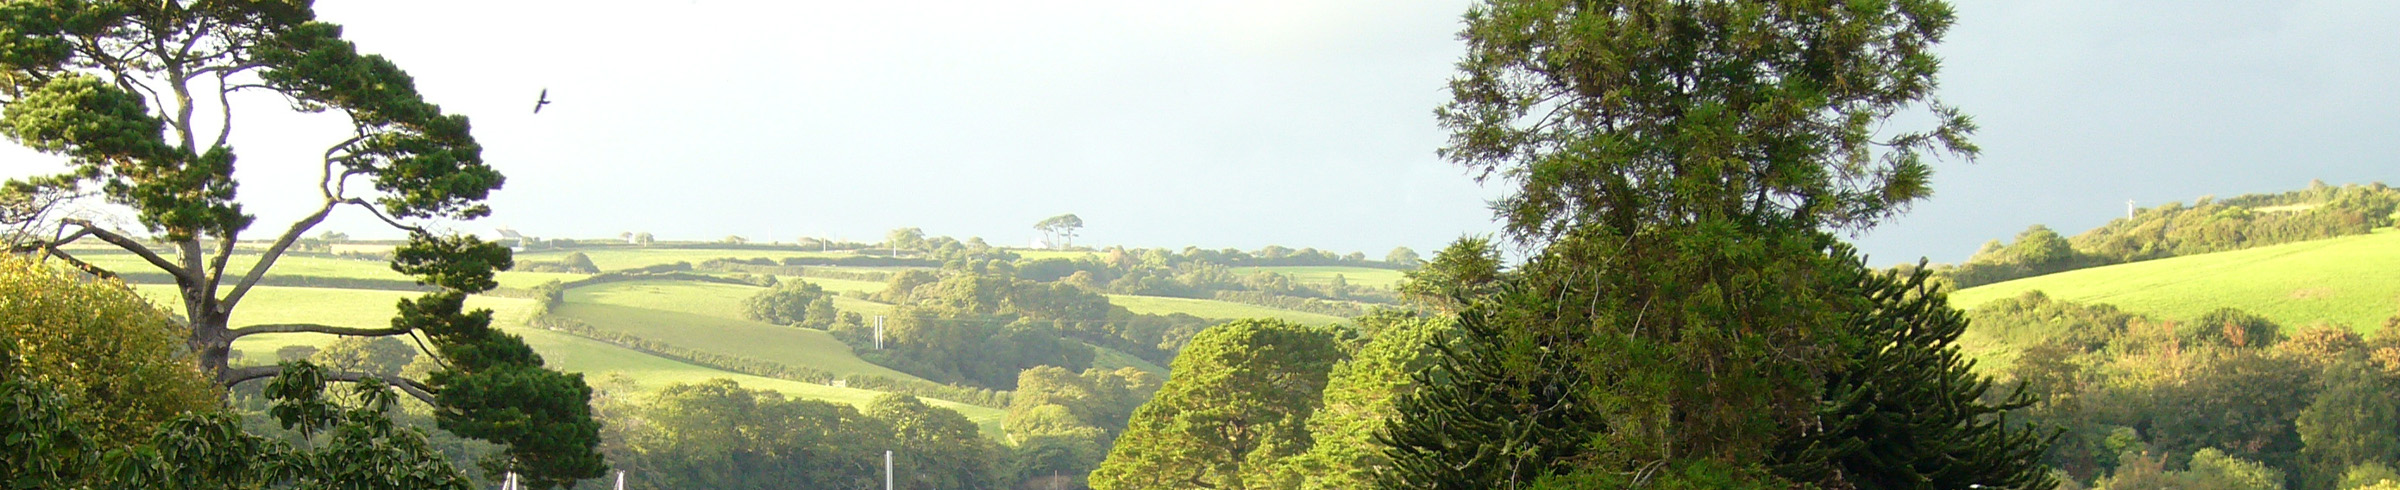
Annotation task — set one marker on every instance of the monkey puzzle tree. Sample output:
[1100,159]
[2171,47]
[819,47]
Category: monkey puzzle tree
[1681,165]
[137,97]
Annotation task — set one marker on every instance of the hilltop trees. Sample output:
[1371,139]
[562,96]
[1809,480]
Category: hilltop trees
[135,96]
[1060,230]
[1688,320]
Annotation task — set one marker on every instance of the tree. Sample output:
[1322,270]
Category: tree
[1240,400]
[1680,167]
[716,434]
[904,239]
[121,91]
[384,356]
[788,303]
[1468,268]
[1359,400]
[1060,229]
[1402,256]
[941,448]
[644,239]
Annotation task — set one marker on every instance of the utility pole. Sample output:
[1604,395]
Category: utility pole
[878,332]
[887,470]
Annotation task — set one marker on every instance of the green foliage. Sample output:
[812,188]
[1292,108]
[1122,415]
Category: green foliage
[1240,399]
[459,262]
[939,446]
[790,303]
[1403,257]
[2230,327]
[1468,268]
[2293,284]
[115,357]
[716,434]
[1629,113]
[1361,396]
[2354,422]
[2174,230]
[1908,412]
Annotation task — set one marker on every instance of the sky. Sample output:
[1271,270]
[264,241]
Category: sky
[1246,123]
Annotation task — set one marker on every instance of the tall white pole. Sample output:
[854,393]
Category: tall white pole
[887,470]
[620,479]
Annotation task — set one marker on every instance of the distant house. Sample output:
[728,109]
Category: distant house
[1040,243]
[515,241]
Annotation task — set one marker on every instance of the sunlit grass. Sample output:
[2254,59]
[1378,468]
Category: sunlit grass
[2351,281]
[1212,309]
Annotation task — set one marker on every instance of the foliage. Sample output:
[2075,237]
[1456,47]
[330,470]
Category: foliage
[717,434]
[378,355]
[791,303]
[1060,229]
[1240,399]
[2293,284]
[1468,268]
[1361,396]
[2209,225]
[102,346]
[1402,256]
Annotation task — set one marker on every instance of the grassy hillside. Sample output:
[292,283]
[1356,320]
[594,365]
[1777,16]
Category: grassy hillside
[777,344]
[1222,310]
[2352,281]
[597,360]
[1357,276]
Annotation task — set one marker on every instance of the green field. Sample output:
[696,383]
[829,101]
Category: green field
[1212,309]
[566,352]
[598,360]
[790,346]
[1356,276]
[1109,359]
[2350,281]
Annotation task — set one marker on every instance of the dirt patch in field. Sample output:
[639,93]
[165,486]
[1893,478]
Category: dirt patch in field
[2312,293]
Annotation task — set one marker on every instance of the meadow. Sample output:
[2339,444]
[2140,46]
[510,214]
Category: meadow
[2352,282]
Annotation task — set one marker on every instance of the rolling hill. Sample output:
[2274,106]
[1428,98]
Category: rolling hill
[2351,281]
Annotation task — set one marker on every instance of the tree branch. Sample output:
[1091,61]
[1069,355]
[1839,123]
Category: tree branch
[413,388]
[267,259]
[313,328]
[130,245]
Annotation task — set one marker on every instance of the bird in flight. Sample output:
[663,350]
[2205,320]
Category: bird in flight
[545,100]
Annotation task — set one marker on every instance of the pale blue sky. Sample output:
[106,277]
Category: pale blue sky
[1245,123]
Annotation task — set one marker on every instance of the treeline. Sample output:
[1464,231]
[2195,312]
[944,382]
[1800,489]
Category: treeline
[1194,273]
[984,329]
[2209,225]
[718,435]
[2227,400]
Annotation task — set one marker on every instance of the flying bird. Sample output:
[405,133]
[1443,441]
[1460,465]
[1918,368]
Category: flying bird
[545,100]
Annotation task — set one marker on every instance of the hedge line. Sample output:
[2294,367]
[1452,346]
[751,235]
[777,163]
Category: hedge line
[1344,309]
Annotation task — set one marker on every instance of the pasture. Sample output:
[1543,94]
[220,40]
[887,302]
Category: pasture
[2349,281]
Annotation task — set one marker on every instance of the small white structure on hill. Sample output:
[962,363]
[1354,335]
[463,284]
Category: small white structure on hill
[517,242]
[1040,243]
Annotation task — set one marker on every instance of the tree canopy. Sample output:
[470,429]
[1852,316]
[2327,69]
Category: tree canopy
[136,98]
